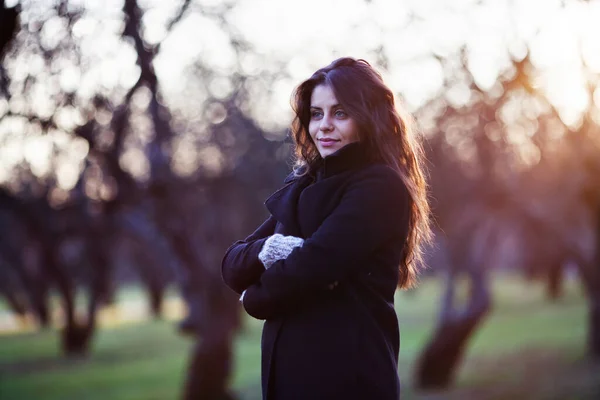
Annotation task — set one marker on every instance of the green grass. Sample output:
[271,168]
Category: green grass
[527,348]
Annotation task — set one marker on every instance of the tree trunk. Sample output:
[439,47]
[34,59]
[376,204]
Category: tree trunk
[590,276]
[78,336]
[73,334]
[16,280]
[439,360]
[208,370]
[554,284]
[39,305]
[75,339]
[156,294]
[210,363]
[15,302]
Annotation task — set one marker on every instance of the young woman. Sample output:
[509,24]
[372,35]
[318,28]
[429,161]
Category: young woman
[344,232]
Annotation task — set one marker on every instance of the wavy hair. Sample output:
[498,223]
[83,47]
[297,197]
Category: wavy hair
[383,129]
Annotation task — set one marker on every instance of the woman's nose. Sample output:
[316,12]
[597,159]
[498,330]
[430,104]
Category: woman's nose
[326,124]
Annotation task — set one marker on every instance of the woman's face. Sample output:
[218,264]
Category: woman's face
[330,127]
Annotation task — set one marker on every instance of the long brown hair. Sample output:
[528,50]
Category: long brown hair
[364,96]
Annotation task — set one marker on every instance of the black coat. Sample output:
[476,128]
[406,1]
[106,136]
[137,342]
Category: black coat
[322,343]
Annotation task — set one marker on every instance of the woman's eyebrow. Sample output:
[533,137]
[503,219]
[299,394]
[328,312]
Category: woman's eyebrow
[333,106]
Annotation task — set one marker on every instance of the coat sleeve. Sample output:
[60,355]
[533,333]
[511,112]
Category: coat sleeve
[372,213]
[240,266]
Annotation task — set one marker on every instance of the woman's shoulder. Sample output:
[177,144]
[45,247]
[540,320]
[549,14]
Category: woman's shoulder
[379,171]
[379,179]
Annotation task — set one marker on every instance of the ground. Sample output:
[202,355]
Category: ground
[528,348]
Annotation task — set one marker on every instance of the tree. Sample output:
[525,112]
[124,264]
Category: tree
[488,189]
[188,216]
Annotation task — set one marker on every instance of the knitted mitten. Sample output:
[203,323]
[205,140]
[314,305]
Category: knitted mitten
[278,247]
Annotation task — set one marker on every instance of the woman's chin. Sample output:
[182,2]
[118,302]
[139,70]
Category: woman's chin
[329,150]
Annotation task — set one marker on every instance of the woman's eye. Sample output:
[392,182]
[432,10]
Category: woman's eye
[316,114]
[340,113]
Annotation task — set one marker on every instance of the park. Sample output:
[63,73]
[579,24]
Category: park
[140,139]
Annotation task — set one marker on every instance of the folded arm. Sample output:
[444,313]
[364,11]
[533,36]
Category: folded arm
[372,213]
[241,266]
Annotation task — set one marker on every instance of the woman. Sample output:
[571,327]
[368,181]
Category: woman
[344,232]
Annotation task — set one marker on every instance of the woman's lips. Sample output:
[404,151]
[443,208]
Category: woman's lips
[328,142]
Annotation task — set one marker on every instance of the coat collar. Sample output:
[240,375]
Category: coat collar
[283,203]
[349,157]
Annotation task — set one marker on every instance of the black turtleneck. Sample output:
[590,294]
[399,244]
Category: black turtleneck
[352,156]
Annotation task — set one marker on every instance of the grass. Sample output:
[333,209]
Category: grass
[527,348]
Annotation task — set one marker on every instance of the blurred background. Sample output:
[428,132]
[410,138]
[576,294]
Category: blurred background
[139,139]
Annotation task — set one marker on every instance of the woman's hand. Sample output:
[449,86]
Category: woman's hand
[278,247]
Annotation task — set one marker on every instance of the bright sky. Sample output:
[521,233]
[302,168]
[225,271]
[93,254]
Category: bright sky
[311,33]
[308,34]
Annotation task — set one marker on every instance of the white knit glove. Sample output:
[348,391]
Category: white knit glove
[278,247]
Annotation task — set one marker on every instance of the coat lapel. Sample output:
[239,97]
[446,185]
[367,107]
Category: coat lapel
[317,202]
[283,204]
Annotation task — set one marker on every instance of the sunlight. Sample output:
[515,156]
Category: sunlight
[565,88]
[67,174]
[130,311]
[37,151]
[134,161]
[559,39]
[350,27]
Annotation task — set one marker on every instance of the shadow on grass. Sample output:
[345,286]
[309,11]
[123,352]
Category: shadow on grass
[55,363]
[532,373]
[133,344]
